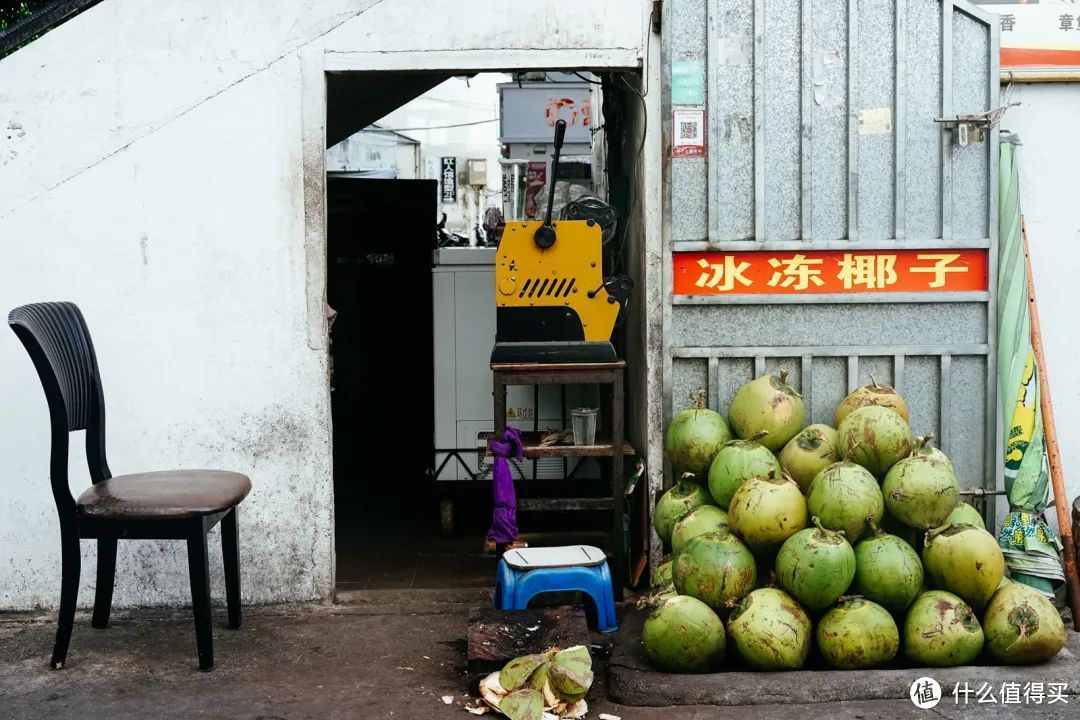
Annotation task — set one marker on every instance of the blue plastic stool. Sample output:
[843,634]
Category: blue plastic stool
[525,573]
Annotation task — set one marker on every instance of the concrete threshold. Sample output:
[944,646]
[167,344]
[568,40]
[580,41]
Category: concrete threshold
[632,680]
[410,601]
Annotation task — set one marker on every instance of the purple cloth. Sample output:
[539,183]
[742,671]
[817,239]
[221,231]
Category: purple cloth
[504,517]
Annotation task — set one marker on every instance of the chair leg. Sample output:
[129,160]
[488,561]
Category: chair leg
[199,570]
[106,574]
[69,596]
[230,552]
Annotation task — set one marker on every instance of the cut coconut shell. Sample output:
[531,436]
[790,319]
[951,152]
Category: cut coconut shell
[516,673]
[523,705]
[491,691]
[570,673]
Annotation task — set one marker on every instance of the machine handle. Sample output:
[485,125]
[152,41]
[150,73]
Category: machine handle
[545,234]
[560,133]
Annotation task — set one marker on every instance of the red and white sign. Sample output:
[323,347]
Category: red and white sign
[535,179]
[1042,37]
[688,133]
[759,272]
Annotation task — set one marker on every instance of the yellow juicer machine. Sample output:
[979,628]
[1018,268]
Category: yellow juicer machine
[552,301]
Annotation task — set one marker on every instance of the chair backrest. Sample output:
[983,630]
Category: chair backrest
[58,341]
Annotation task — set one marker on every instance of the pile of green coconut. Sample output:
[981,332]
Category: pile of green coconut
[848,542]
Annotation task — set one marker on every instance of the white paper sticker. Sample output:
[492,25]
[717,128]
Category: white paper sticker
[875,121]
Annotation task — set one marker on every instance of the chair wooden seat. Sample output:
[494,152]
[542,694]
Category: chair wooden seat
[169,494]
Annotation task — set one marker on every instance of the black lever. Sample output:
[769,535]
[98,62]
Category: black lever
[545,234]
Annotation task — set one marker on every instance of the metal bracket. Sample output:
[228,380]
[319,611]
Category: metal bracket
[969,128]
[657,15]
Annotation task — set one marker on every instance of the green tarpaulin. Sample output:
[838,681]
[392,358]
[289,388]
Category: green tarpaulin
[1032,549]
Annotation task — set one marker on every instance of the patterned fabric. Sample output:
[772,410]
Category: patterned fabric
[1031,548]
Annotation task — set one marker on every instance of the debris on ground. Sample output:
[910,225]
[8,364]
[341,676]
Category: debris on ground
[542,686]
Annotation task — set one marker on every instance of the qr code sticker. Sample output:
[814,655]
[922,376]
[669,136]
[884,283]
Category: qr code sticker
[688,129]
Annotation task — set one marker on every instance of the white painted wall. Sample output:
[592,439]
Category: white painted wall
[1049,160]
[119,135]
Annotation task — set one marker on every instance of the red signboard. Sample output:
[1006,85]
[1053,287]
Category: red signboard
[814,272]
[535,178]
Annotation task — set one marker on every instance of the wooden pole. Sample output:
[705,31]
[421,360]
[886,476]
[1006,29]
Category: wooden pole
[1061,500]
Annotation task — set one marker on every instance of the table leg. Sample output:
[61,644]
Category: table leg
[500,405]
[617,484]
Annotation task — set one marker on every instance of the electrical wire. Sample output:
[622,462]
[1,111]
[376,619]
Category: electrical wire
[591,82]
[641,151]
[440,127]
[994,116]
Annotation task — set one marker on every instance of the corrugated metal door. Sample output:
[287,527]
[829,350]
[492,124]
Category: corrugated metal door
[823,134]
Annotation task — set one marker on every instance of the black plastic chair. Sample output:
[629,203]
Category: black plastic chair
[182,505]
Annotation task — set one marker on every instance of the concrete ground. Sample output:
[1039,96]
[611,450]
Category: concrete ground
[386,654]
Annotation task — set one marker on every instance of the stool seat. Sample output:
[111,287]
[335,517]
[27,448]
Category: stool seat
[531,558]
[527,572]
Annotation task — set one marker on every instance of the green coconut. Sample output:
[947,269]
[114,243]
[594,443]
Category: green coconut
[912,536]
[662,576]
[766,511]
[964,514]
[768,404]
[684,635]
[941,630]
[808,453]
[716,568]
[845,496]
[965,560]
[816,566]
[770,631]
[705,519]
[924,448]
[888,571]
[872,394]
[681,499]
[1022,626]
[738,461]
[857,634]
[875,437]
[921,491]
[694,437]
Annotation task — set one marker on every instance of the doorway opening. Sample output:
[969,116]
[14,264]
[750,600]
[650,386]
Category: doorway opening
[423,172]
